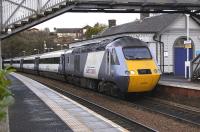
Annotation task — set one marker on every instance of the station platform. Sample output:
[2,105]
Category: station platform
[179,89]
[38,108]
[181,82]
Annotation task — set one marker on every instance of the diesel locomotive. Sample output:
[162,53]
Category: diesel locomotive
[118,66]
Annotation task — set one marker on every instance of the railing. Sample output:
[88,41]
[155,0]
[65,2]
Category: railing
[195,68]
[18,10]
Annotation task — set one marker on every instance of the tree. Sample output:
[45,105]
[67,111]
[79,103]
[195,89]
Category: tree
[27,41]
[95,30]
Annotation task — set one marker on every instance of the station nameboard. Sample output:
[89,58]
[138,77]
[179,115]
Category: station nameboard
[188,44]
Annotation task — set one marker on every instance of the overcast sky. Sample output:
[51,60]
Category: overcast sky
[78,20]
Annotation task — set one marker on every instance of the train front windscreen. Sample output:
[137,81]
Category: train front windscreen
[137,53]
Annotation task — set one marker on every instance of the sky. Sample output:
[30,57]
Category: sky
[79,20]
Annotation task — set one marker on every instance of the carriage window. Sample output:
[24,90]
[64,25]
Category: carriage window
[55,60]
[28,61]
[15,62]
[137,53]
[77,63]
[114,58]
[67,59]
[6,61]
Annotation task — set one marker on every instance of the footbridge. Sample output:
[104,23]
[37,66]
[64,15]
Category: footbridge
[18,15]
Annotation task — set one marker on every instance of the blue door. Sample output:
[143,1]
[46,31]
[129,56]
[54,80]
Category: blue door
[180,56]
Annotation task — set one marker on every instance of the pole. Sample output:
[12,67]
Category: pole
[1,21]
[187,63]
[187,15]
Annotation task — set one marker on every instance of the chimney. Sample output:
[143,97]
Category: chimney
[143,15]
[111,23]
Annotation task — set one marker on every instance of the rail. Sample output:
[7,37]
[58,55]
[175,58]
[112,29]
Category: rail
[178,113]
[195,68]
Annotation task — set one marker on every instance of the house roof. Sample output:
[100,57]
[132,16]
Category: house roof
[68,30]
[148,25]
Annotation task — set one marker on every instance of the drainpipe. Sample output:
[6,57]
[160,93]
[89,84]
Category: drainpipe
[1,26]
[161,55]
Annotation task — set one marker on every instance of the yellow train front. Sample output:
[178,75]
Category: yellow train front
[132,67]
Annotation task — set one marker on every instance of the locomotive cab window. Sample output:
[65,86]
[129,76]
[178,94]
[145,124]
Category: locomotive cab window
[137,53]
[114,58]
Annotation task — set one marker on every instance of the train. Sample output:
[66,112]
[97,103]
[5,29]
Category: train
[116,66]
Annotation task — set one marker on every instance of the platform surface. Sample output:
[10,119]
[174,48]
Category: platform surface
[170,80]
[67,115]
[30,114]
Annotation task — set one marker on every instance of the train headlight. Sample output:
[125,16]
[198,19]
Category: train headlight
[132,72]
[129,72]
[157,71]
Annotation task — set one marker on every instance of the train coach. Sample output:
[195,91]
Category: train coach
[116,67]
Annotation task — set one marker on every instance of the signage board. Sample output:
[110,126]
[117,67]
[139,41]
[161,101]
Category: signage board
[188,44]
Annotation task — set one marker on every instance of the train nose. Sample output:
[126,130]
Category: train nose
[143,75]
[142,83]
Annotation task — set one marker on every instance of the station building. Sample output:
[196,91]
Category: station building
[165,35]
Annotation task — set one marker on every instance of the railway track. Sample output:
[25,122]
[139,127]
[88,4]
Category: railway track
[176,112]
[129,124]
[187,116]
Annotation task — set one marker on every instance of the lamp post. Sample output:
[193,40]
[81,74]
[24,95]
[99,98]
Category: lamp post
[37,50]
